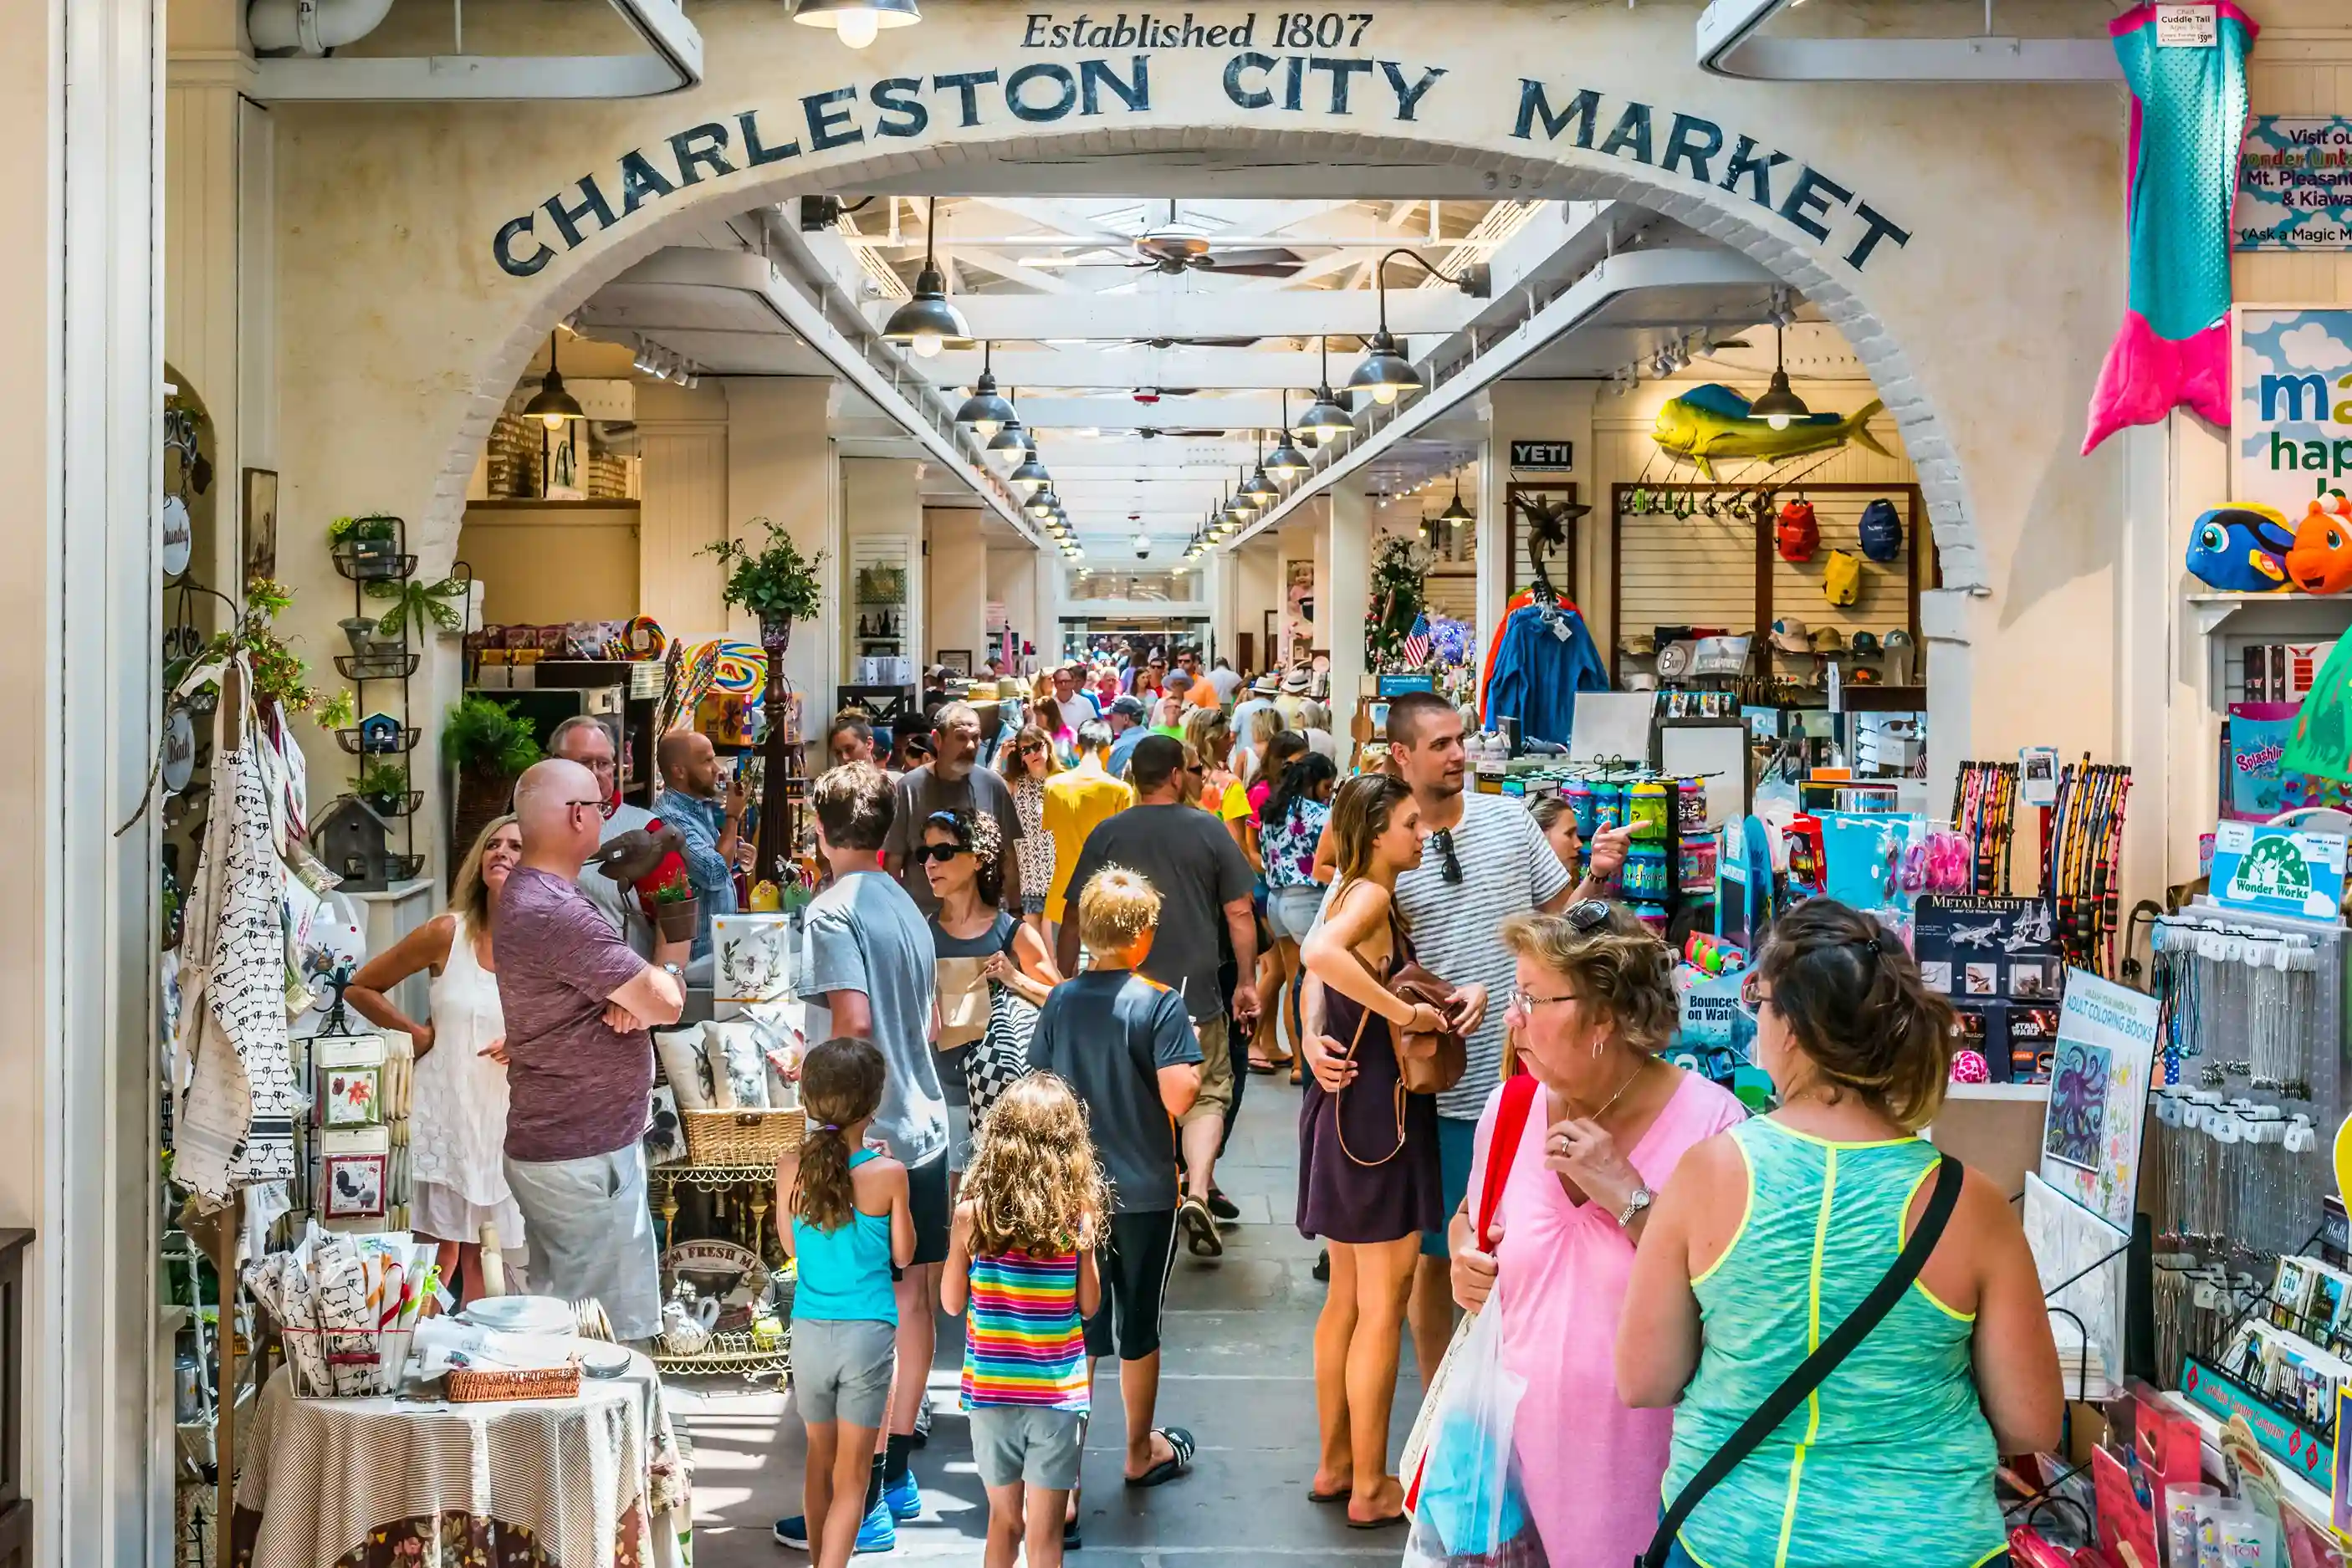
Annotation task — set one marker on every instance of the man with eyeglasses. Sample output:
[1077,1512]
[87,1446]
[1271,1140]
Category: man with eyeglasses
[951,781]
[1485,861]
[578,1003]
[586,741]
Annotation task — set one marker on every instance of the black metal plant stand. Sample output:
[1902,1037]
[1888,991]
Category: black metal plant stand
[383,663]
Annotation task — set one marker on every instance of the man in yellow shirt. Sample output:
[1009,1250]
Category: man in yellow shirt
[1079,799]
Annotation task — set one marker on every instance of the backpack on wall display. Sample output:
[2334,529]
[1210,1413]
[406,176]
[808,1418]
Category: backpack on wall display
[1882,531]
[1842,576]
[1797,534]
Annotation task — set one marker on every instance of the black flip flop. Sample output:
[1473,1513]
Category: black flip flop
[1392,1519]
[1339,1496]
[1072,1540]
[1265,1068]
[1180,1459]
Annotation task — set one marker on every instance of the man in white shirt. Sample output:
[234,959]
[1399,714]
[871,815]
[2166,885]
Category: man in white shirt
[1221,676]
[1077,705]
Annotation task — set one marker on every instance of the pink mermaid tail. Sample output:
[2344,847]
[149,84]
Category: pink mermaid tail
[2146,376]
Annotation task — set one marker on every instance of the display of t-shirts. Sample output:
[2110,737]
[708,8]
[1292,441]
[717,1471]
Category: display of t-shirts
[1547,656]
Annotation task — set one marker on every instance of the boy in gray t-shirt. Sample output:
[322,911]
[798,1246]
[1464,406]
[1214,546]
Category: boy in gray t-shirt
[870,959]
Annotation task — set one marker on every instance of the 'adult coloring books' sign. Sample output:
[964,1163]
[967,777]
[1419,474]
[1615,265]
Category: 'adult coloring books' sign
[2098,1096]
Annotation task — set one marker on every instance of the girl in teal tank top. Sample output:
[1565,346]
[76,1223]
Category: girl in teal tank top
[1771,1234]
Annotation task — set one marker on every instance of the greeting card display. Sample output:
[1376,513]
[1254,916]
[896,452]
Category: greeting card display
[2098,1094]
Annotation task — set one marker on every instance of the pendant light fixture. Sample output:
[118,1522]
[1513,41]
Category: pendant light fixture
[1262,491]
[857,21]
[1455,512]
[1285,462]
[1779,407]
[1386,374]
[1327,420]
[984,411]
[1031,472]
[1042,504]
[1011,442]
[551,405]
[927,323]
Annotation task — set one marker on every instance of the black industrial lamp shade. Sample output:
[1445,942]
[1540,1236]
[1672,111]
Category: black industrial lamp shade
[1285,461]
[927,323]
[1261,490]
[1043,503]
[1326,420]
[1031,472]
[1455,512]
[551,405]
[984,411]
[1009,440]
[857,21]
[1385,373]
[1779,407]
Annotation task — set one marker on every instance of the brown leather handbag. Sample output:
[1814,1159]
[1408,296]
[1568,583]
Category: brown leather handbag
[1427,1063]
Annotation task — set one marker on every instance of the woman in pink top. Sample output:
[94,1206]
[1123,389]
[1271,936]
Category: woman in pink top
[1595,1000]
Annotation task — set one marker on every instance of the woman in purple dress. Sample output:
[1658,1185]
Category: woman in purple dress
[1368,1173]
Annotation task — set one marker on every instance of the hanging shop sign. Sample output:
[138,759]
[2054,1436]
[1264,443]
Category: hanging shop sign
[2295,185]
[2278,870]
[1544,456]
[179,536]
[179,755]
[2291,427]
[1269,67]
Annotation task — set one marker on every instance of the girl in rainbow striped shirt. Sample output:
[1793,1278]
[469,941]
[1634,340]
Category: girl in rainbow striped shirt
[1023,1255]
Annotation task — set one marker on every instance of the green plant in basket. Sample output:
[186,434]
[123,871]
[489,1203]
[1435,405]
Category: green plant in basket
[376,528]
[483,735]
[384,786]
[774,583]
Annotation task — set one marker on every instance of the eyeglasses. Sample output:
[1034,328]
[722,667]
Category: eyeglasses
[1451,868]
[942,854]
[1524,1004]
[1753,996]
[596,804]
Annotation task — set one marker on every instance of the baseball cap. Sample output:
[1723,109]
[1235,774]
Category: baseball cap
[1865,644]
[1638,642]
[1829,640]
[1129,707]
[1899,638]
[1675,658]
[1789,636]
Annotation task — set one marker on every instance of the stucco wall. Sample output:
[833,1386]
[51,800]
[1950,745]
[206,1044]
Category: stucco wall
[401,330]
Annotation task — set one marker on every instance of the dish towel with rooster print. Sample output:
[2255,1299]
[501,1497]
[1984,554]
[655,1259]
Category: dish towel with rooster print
[235,1126]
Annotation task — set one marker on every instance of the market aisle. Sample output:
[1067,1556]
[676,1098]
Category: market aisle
[1238,1372]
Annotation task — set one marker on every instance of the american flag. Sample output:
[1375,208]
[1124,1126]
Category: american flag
[1417,647]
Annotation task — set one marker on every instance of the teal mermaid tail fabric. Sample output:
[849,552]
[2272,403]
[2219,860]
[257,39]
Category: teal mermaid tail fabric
[2189,119]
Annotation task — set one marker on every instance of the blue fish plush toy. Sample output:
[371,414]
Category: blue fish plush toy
[2241,549]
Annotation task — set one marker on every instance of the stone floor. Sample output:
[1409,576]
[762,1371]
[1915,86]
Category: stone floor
[1238,1372]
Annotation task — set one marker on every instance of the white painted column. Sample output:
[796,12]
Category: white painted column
[683,506]
[1346,602]
[1491,555]
[957,571]
[1047,631]
[778,463]
[881,498]
[1222,572]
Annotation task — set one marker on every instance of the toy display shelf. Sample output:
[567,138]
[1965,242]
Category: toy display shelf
[2211,609]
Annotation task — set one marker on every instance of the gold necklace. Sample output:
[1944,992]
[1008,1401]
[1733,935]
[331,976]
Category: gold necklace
[1620,1089]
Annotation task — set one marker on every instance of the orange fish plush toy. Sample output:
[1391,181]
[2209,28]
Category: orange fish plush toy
[2321,560]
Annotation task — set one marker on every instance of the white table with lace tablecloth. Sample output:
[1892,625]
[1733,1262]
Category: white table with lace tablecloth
[380,1482]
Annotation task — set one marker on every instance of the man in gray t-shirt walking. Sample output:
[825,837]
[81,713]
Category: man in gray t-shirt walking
[869,958]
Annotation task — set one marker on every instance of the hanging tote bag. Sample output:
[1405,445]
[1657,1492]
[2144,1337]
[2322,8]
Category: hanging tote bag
[1462,1486]
[1815,1369]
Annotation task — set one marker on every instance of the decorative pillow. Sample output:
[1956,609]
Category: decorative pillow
[665,1134]
[738,1066]
[683,1064]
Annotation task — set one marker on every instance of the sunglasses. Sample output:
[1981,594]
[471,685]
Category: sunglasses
[1753,998]
[1451,866]
[942,854]
[1586,915]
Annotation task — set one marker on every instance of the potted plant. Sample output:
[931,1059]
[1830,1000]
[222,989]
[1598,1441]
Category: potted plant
[490,745]
[774,583]
[368,547]
[384,786]
[676,908]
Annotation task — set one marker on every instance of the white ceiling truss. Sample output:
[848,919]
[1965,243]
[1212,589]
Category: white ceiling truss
[1153,358]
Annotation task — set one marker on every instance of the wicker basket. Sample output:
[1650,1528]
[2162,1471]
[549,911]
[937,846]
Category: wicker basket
[739,1138]
[486,1387]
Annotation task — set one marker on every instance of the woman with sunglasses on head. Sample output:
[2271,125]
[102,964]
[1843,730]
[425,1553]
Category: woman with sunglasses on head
[1368,1183]
[1027,760]
[1591,1004]
[1290,824]
[1770,1237]
[993,969]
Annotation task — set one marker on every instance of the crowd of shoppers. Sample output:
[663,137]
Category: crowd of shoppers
[1050,959]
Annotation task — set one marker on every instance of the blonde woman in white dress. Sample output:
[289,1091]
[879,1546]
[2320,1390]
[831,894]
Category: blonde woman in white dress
[458,1112]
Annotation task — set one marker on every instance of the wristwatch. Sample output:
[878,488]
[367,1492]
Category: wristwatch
[675,973]
[1634,1206]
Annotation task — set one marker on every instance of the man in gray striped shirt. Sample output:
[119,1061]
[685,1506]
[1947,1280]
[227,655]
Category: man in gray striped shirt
[1485,862]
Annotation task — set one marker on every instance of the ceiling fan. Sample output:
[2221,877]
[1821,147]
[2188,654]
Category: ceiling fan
[1175,248]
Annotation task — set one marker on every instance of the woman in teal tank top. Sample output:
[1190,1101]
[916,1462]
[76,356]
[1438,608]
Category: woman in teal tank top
[1769,1235]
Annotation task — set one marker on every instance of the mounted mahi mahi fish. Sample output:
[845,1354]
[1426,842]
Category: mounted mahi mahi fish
[1711,424]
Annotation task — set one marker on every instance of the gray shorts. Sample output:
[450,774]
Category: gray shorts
[590,1233]
[1014,1444]
[841,1370]
[1290,911]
